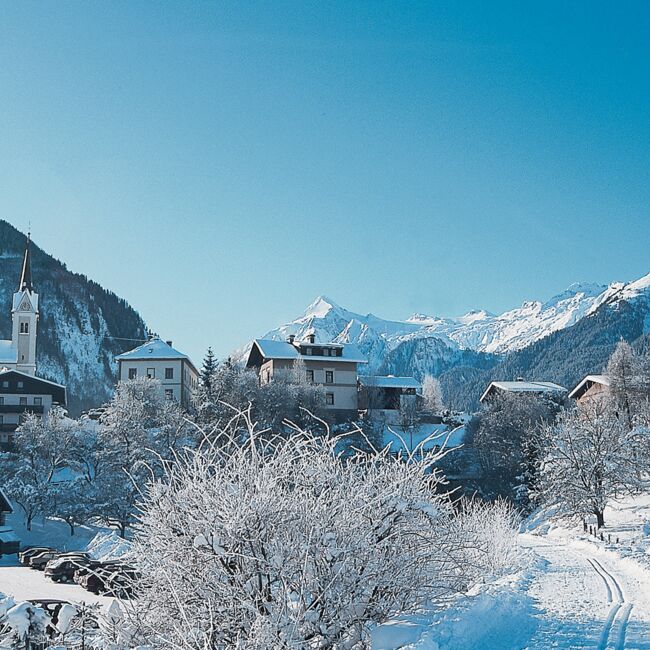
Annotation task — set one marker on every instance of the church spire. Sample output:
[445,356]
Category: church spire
[26,275]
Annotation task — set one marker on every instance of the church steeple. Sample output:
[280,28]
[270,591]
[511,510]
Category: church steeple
[26,274]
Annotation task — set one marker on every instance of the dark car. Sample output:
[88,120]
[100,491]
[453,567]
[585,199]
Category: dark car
[96,580]
[63,567]
[85,568]
[30,551]
[120,582]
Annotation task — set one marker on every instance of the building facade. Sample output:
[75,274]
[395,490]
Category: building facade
[591,388]
[157,359]
[330,365]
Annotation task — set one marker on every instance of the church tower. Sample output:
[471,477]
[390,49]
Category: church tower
[24,315]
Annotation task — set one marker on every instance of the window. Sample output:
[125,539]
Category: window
[5,384]
[2,420]
[2,401]
[329,376]
[326,352]
[151,373]
[38,401]
[169,373]
[308,351]
[21,384]
[310,376]
[169,393]
[23,401]
[329,399]
[24,328]
[133,373]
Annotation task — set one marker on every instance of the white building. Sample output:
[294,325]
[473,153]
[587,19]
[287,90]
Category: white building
[331,365]
[157,359]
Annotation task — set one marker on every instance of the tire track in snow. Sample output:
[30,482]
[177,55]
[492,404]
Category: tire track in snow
[615,594]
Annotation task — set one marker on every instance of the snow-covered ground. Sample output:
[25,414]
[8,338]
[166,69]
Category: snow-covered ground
[23,583]
[572,591]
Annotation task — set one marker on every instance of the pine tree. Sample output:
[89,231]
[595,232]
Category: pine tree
[208,369]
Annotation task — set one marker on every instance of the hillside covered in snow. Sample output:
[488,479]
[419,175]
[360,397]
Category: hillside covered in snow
[80,324]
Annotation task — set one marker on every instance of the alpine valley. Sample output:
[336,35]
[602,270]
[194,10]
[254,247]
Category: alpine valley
[560,340]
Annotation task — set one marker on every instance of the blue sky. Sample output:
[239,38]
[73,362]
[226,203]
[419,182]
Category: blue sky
[221,164]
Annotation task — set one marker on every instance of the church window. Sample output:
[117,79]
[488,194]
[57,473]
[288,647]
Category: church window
[169,373]
[24,328]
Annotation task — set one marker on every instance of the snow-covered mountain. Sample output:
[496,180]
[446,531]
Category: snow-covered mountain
[423,343]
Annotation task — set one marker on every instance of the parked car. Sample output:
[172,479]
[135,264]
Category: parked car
[40,559]
[30,551]
[62,567]
[52,607]
[95,580]
[85,568]
[120,582]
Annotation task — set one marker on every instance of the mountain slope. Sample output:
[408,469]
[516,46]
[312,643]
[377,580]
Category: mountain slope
[80,322]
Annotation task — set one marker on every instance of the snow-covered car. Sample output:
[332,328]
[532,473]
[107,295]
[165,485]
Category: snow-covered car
[30,551]
[39,560]
[97,579]
[120,582]
[63,567]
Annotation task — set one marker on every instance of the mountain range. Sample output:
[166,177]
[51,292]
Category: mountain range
[559,340]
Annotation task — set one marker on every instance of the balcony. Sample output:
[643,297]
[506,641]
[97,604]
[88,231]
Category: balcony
[21,408]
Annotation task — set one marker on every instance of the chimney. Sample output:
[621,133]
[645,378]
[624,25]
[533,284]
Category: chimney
[169,343]
[520,379]
[311,338]
[291,338]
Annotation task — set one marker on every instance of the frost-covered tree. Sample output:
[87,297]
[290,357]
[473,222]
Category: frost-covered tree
[432,394]
[276,542]
[589,456]
[623,370]
[502,437]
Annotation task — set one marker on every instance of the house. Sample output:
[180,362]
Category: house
[21,391]
[592,387]
[9,543]
[388,393]
[20,394]
[157,359]
[331,365]
[520,386]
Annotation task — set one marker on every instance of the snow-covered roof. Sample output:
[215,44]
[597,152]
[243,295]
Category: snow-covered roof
[390,381]
[8,352]
[524,387]
[6,371]
[5,503]
[153,349]
[586,383]
[271,349]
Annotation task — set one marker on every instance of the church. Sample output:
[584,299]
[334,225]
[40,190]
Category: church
[21,390]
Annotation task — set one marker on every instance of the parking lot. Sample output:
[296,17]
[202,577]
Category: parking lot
[27,584]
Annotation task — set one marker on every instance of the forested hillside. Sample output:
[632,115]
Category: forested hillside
[80,322]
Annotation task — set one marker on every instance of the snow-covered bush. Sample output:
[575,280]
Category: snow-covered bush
[278,542]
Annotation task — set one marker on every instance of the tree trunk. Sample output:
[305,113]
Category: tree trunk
[600,518]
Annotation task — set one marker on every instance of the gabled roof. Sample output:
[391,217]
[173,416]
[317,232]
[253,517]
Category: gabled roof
[282,350]
[6,372]
[587,383]
[5,504]
[153,349]
[38,385]
[524,387]
[389,381]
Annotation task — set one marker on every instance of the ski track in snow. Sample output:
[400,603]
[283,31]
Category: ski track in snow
[587,602]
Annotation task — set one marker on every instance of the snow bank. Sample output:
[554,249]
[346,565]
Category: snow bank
[108,546]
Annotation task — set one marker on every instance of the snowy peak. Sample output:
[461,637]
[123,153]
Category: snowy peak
[476,331]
